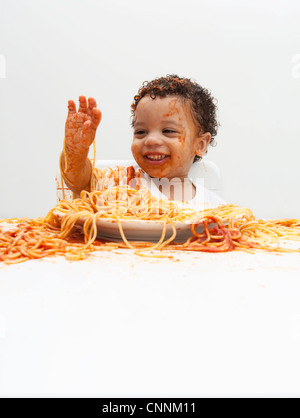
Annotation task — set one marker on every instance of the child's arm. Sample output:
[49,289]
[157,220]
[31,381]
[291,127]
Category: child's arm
[80,131]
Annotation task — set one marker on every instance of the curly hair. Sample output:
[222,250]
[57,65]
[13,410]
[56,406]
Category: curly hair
[204,105]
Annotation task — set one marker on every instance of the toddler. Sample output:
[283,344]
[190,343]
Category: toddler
[174,122]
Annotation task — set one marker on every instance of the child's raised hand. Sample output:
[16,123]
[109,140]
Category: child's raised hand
[80,131]
[81,126]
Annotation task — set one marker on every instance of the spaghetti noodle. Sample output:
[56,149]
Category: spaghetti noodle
[225,228]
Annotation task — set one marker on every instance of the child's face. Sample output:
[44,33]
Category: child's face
[166,137]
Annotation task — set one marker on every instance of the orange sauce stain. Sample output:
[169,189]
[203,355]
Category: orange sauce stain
[173,109]
[181,139]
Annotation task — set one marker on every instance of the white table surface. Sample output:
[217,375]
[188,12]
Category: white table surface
[121,325]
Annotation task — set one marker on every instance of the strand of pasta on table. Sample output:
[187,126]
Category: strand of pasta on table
[226,228]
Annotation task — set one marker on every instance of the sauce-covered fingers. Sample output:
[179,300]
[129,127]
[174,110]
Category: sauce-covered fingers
[86,126]
[92,103]
[96,116]
[71,107]
[82,104]
[86,135]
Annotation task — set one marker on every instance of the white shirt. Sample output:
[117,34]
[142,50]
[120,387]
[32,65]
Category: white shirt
[203,198]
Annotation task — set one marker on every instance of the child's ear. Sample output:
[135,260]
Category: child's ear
[202,144]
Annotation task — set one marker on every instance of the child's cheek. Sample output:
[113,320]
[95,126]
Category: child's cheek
[133,146]
[181,139]
[136,151]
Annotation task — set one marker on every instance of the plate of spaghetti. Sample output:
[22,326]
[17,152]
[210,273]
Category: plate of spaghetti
[136,229]
[121,212]
[130,215]
[137,218]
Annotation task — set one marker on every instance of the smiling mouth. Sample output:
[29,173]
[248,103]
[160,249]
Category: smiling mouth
[156,157]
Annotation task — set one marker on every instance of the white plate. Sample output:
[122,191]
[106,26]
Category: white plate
[138,230]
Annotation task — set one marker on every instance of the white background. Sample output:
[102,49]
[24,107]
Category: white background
[245,52]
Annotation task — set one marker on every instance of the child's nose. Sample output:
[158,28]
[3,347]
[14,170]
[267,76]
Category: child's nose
[153,139]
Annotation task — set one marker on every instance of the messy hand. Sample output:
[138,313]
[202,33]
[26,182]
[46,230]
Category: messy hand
[81,126]
[80,131]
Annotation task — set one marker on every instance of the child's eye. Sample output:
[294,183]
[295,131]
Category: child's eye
[169,131]
[140,132]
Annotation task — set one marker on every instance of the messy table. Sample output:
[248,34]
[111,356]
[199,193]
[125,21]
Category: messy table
[120,325]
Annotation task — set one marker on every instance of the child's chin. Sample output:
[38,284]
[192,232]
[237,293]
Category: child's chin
[159,172]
